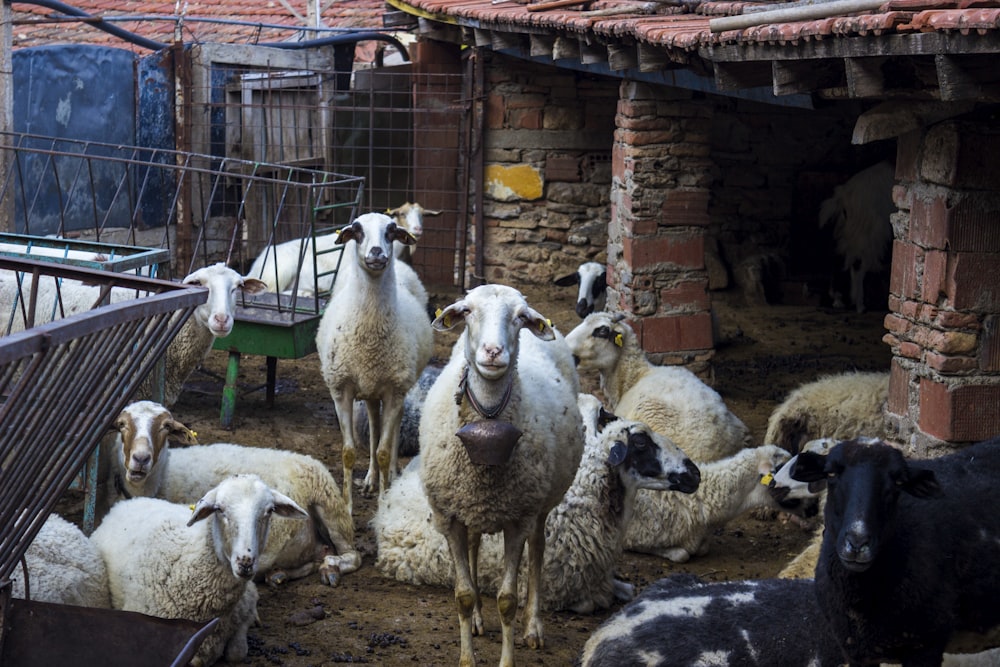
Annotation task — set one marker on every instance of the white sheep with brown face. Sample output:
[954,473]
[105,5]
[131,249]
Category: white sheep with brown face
[168,561]
[373,341]
[143,465]
[410,216]
[500,441]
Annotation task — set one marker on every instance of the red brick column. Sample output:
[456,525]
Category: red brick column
[661,178]
[944,296]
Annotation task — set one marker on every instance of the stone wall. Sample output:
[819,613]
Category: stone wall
[547,170]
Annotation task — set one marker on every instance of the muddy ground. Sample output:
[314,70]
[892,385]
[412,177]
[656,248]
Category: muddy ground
[764,352]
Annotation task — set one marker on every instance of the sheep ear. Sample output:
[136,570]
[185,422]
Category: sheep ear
[921,483]
[351,232]
[450,316]
[604,417]
[566,281]
[403,236]
[540,326]
[285,506]
[204,508]
[808,467]
[253,286]
[182,433]
[428,211]
[617,454]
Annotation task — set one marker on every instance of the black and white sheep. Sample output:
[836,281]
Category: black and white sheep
[669,399]
[677,527]
[683,621]
[166,560]
[583,534]
[508,392]
[143,465]
[592,294]
[909,558]
[840,406]
[374,340]
[859,211]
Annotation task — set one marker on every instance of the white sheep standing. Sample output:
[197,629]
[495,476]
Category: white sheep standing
[670,399]
[143,465]
[165,560]
[592,294]
[64,567]
[583,533]
[210,320]
[509,390]
[373,342]
[676,527]
[840,406]
[860,210]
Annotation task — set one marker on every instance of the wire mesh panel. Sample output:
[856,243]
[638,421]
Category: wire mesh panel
[200,208]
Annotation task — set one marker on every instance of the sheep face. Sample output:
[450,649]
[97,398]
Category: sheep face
[241,507]
[648,460]
[144,428]
[864,481]
[598,341]
[592,294]
[494,316]
[223,283]
[411,217]
[373,235]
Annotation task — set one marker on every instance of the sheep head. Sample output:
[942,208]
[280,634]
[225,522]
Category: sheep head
[373,235]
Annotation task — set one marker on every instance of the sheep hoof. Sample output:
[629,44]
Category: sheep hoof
[534,641]
[276,578]
[329,574]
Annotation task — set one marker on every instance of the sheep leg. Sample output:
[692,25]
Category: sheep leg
[514,537]
[477,613]
[388,446]
[343,402]
[858,287]
[375,438]
[533,635]
[466,593]
[341,535]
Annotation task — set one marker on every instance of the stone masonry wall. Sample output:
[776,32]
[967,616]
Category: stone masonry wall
[944,324]
[547,170]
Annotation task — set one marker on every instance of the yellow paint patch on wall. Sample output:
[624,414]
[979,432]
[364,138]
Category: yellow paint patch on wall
[508,183]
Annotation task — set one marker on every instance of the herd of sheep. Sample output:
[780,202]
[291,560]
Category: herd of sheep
[525,488]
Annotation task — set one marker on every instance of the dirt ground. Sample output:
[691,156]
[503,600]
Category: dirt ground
[764,352]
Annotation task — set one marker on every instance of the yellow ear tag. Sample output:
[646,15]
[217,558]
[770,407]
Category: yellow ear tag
[619,341]
[193,434]
[767,479]
[191,507]
[541,325]
[437,313]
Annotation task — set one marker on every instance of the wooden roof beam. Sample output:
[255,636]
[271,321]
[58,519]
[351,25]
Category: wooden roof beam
[864,76]
[967,77]
[741,75]
[806,76]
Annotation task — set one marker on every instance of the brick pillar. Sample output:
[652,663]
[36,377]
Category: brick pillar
[944,299]
[661,179]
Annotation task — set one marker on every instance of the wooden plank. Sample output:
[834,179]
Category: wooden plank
[506,40]
[864,76]
[967,77]
[566,47]
[483,37]
[791,77]
[592,54]
[442,32]
[652,59]
[738,76]
[896,118]
[622,56]
[541,45]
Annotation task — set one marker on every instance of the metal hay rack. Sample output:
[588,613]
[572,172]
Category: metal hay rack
[201,209]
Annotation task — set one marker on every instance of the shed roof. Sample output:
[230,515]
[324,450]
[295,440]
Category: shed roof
[884,49]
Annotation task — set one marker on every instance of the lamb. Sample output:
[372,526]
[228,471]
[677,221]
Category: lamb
[909,560]
[500,441]
[64,567]
[144,466]
[583,533]
[670,399]
[860,210]
[165,560]
[374,340]
[684,621]
[840,406]
[676,527]
[593,282]
[212,319]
